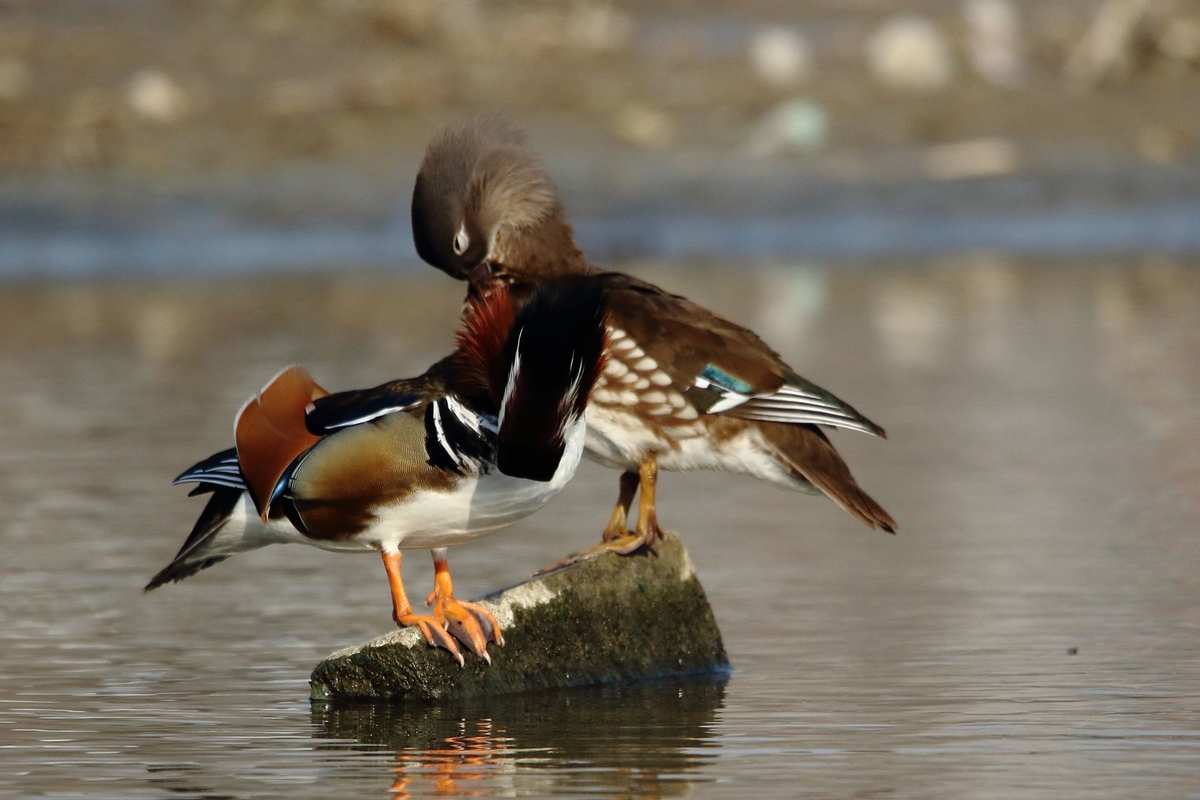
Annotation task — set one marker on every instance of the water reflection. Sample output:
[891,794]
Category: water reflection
[1042,460]
[646,741]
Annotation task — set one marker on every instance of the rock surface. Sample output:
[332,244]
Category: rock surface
[611,619]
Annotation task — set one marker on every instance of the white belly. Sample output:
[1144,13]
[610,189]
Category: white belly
[476,506]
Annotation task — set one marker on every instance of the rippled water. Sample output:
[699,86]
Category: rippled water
[1033,630]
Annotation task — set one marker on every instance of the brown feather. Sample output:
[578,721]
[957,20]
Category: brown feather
[683,336]
[354,471]
[270,433]
[508,188]
[480,368]
[807,450]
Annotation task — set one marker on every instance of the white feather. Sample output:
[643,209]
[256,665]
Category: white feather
[513,372]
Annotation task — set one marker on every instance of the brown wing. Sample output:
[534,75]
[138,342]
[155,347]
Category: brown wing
[270,433]
[719,366]
[807,450]
[685,337]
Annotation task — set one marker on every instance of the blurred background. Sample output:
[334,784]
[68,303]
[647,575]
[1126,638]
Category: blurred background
[976,220]
[149,135]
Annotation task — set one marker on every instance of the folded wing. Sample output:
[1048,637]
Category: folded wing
[719,366]
[797,401]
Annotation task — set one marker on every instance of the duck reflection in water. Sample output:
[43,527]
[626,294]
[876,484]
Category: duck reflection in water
[651,740]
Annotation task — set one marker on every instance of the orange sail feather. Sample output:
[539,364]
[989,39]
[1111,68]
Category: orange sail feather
[270,433]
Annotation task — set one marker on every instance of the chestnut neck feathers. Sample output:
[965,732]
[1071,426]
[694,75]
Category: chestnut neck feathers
[536,362]
[533,369]
[481,197]
[480,366]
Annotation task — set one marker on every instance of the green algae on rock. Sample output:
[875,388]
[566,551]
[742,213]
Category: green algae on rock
[609,619]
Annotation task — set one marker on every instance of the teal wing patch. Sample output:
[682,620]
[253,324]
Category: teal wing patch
[714,374]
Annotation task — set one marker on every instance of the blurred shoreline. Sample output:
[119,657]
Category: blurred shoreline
[300,221]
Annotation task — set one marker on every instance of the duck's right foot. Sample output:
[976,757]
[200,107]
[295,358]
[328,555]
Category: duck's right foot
[625,543]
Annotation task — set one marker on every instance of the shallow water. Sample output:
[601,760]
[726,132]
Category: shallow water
[1032,630]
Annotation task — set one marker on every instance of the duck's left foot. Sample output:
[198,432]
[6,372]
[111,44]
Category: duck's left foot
[473,624]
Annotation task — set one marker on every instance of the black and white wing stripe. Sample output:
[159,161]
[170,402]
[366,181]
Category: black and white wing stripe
[219,469]
[794,405]
[798,401]
[334,412]
[457,439]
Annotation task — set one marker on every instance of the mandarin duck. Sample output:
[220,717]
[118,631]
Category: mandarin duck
[484,438]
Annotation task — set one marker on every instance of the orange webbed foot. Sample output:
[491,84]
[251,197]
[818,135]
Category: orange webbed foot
[434,629]
[472,624]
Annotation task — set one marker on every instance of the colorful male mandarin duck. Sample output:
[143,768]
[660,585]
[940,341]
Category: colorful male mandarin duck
[483,439]
[682,389]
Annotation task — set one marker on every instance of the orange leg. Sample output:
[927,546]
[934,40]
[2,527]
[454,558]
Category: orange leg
[432,626]
[619,518]
[647,525]
[472,623]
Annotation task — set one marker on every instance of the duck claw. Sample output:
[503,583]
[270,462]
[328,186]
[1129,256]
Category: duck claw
[626,544]
[433,630]
[473,625]
[487,620]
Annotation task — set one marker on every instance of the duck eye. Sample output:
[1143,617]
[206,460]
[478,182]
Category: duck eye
[461,240]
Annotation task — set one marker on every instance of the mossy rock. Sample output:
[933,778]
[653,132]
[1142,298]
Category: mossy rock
[610,619]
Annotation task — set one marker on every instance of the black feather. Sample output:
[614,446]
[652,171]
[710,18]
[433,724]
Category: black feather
[222,465]
[188,561]
[334,412]
[559,335]
[468,448]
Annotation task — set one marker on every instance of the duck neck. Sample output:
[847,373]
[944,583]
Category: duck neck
[541,252]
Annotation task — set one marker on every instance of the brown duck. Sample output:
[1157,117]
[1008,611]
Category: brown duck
[683,388]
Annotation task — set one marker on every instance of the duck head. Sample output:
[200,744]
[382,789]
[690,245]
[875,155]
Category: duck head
[485,211]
